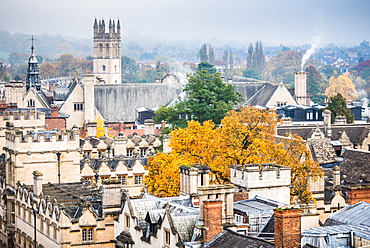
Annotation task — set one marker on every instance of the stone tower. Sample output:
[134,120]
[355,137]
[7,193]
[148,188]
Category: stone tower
[107,52]
[33,72]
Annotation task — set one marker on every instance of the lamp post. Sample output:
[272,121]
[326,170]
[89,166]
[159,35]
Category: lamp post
[34,227]
[58,157]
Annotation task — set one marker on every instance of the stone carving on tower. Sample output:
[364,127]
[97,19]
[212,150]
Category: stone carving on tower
[33,72]
[107,52]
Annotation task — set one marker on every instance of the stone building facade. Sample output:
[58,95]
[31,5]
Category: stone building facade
[267,180]
[107,52]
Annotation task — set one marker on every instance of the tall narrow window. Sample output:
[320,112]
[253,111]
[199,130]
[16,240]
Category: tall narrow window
[138,179]
[104,68]
[167,237]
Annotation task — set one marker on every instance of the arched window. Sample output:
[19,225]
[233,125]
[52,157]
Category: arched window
[31,103]
[100,47]
[107,50]
[104,68]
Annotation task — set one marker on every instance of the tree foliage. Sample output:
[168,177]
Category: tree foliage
[209,98]
[337,105]
[211,55]
[343,85]
[251,73]
[48,70]
[245,137]
[203,53]
[315,85]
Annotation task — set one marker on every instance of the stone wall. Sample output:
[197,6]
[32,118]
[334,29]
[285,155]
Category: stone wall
[118,102]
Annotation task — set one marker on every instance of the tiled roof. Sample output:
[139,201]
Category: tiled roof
[73,195]
[355,164]
[231,239]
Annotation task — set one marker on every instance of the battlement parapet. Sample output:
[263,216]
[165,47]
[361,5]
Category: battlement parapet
[260,175]
[18,137]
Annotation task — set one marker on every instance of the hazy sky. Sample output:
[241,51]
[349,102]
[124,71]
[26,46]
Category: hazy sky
[273,22]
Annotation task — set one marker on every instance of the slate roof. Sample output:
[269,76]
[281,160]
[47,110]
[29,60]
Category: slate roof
[355,164]
[112,163]
[357,214]
[73,196]
[356,132]
[150,212]
[230,239]
[263,95]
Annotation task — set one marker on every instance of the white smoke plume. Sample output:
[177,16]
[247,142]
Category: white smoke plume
[315,44]
[316,40]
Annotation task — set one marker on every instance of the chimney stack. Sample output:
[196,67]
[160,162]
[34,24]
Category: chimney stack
[212,219]
[111,195]
[327,122]
[300,87]
[54,111]
[149,127]
[37,182]
[287,226]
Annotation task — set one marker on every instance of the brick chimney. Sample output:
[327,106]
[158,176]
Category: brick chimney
[54,111]
[357,194]
[287,225]
[212,219]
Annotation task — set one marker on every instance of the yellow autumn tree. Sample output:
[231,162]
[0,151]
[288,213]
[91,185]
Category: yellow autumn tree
[294,153]
[247,135]
[343,85]
[163,179]
[244,137]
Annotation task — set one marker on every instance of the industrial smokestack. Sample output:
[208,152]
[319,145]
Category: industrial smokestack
[300,87]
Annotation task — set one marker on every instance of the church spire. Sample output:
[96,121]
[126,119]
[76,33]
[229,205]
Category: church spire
[32,48]
[33,71]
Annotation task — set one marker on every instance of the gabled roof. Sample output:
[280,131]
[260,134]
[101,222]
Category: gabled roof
[228,238]
[263,95]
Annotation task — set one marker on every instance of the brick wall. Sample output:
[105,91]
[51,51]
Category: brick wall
[241,196]
[212,219]
[358,194]
[53,123]
[287,224]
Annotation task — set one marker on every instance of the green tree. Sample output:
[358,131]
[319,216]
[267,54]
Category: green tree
[315,84]
[337,105]
[250,56]
[251,73]
[129,69]
[211,55]
[209,98]
[203,53]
